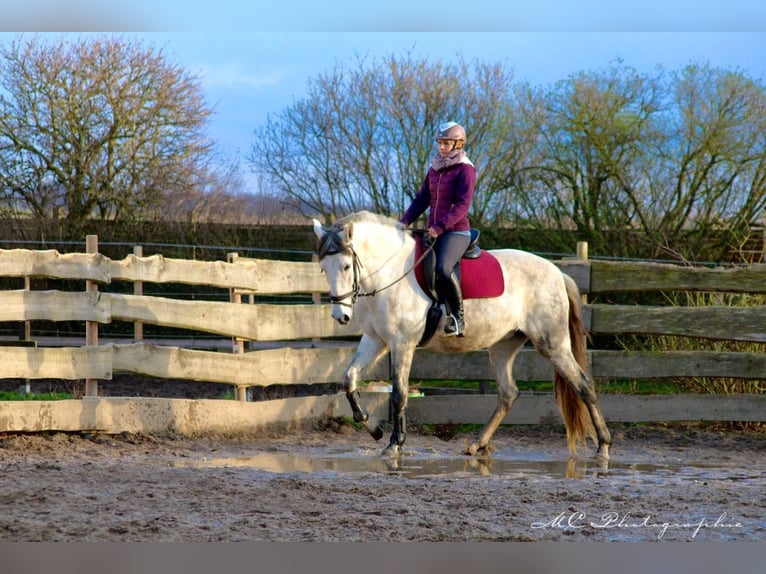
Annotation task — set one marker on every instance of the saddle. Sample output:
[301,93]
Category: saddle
[478,271]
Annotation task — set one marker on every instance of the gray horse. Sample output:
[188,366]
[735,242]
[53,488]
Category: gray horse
[368,261]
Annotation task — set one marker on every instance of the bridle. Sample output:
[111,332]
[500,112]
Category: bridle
[338,245]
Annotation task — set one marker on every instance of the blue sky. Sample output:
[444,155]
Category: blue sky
[256,57]
[250,75]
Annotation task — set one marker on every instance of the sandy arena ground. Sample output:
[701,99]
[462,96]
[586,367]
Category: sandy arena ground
[330,484]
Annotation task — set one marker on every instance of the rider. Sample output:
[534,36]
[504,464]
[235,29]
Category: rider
[447,192]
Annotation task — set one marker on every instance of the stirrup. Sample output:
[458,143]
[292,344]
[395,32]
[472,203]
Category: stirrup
[454,328]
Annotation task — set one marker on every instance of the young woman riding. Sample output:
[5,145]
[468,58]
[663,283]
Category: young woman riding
[447,192]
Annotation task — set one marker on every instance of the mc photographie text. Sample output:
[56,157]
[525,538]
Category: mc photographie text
[627,521]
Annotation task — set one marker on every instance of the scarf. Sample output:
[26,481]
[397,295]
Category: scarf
[455,157]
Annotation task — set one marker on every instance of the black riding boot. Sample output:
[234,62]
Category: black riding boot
[453,297]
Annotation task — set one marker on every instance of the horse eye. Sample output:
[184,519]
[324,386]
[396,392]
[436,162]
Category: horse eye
[346,267]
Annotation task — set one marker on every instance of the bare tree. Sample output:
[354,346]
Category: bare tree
[97,128]
[649,164]
[586,171]
[658,164]
[363,137]
[714,159]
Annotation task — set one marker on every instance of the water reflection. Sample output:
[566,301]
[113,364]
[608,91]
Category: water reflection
[418,464]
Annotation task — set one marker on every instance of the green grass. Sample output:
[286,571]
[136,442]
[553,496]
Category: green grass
[638,387]
[691,384]
[14,396]
[626,387]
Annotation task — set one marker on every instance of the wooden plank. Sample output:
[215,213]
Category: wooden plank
[206,316]
[287,276]
[192,417]
[51,263]
[257,322]
[721,323]
[261,276]
[160,269]
[624,276]
[531,366]
[258,275]
[272,276]
[283,366]
[580,271]
[283,322]
[327,364]
[686,407]
[24,305]
[668,364]
[59,363]
[541,409]
[187,417]
[528,366]
[439,366]
[253,322]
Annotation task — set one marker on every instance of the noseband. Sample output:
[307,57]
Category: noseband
[331,244]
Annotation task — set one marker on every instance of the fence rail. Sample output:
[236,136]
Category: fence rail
[296,323]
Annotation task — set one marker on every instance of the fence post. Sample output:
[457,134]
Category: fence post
[138,289]
[26,334]
[237,344]
[582,255]
[91,327]
[235,296]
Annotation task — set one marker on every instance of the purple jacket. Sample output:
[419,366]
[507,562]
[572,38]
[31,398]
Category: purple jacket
[448,194]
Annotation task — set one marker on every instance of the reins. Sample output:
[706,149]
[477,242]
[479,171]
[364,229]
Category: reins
[418,261]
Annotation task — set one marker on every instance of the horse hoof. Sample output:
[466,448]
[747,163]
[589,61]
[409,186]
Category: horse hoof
[392,451]
[376,431]
[475,449]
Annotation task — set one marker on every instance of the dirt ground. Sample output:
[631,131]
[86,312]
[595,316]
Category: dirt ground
[331,484]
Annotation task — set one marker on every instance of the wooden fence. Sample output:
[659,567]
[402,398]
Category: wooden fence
[296,325]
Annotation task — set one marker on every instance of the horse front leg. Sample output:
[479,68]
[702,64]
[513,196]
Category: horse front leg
[501,357]
[401,362]
[369,350]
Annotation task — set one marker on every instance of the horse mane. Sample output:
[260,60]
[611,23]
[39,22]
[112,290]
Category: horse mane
[332,242]
[367,217]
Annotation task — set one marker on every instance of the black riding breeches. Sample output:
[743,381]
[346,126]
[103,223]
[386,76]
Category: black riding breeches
[450,247]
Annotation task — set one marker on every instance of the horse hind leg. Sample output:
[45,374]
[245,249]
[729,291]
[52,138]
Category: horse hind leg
[577,400]
[501,357]
[576,385]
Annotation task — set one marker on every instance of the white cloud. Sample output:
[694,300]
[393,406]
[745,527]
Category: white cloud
[233,76]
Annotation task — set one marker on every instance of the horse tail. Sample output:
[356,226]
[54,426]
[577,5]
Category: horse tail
[577,419]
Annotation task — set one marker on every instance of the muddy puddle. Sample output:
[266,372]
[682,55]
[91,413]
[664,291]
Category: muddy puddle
[415,464]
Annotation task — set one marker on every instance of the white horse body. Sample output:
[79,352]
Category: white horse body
[490,319]
[369,260]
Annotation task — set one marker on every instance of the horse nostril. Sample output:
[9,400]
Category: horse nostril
[344,319]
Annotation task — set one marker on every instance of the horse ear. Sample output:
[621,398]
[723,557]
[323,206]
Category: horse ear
[350,231]
[318,229]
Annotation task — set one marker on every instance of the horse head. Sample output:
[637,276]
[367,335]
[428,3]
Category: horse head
[339,263]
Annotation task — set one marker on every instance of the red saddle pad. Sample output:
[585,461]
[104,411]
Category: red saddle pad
[480,278]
